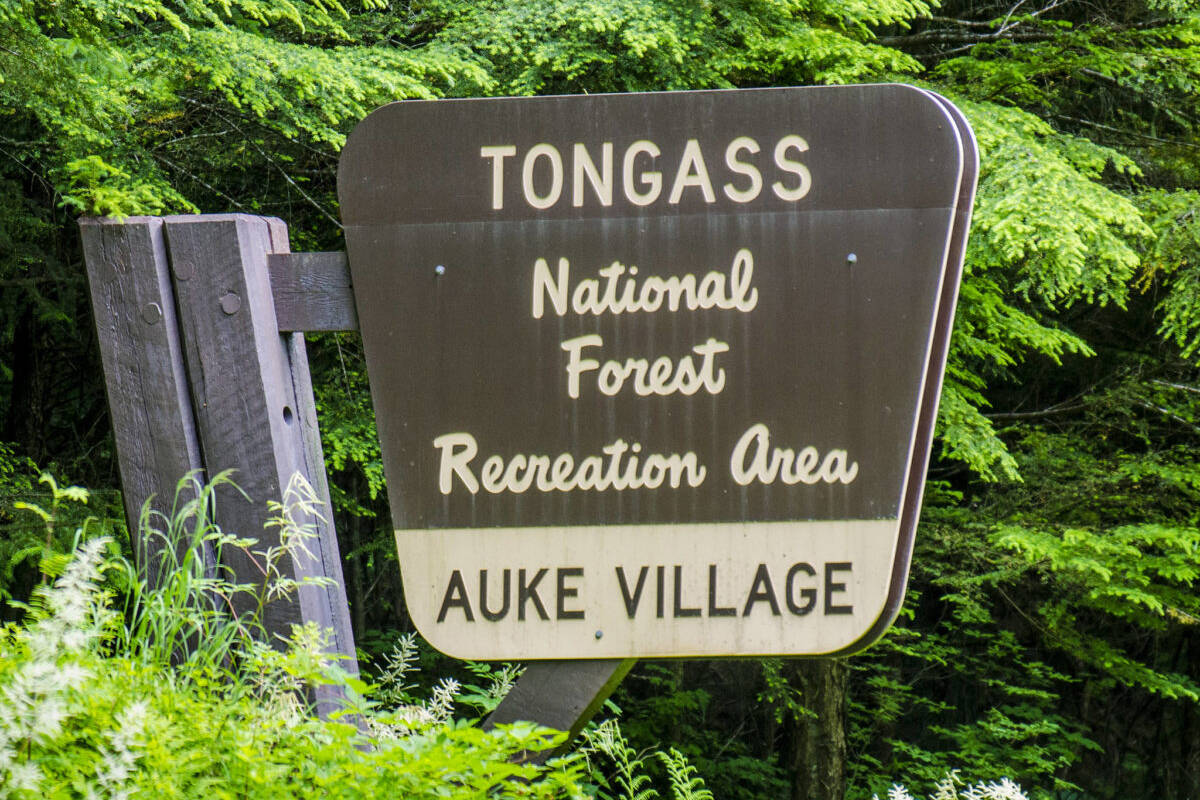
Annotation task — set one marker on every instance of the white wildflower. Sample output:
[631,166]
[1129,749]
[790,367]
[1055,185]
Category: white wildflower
[40,675]
[113,768]
[502,681]
[75,639]
[72,676]
[947,787]
[118,762]
[441,705]
[25,776]
[408,718]
[130,722]
[33,709]
[72,623]
[398,664]
[1004,790]
[1007,790]
[48,717]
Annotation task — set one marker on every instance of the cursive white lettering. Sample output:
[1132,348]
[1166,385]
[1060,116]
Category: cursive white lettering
[620,468]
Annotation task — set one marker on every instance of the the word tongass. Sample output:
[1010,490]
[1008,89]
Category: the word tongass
[551,174]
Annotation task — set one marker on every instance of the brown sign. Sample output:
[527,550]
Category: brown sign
[656,374]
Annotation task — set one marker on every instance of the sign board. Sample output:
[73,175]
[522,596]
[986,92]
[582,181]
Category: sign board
[656,374]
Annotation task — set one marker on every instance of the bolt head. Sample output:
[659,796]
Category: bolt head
[230,303]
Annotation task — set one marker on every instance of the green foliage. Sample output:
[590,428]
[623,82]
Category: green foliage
[348,434]
[112,85]
[621,771]
[34,546]
[685,781]
[693,708]
[1005,718]
[178,607]
[93,707]
[629,781]
[1042,598]
[1172,259]
[555,46]
[1050,620]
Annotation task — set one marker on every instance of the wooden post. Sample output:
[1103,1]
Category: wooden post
[200,380]
[562,695]
[144,376]
[253,402]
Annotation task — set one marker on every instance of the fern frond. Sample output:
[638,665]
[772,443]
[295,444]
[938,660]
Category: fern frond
[686,783]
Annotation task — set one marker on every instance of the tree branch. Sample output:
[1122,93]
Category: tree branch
[952,37]
[198,180]
[1183,387]
[1045,412]
[1131,134]
[1169,414]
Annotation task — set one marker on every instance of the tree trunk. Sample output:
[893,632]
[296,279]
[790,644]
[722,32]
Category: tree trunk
[817,742]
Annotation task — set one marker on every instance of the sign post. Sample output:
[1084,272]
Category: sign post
[656,375]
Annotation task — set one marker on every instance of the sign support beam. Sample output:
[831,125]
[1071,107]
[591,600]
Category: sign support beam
[562,695]
[201,380]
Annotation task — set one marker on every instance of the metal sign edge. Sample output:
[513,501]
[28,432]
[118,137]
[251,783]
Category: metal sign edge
[935,374]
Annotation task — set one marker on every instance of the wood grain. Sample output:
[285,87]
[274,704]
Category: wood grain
[134,311]
[312,292]
[218,387]
[254,414]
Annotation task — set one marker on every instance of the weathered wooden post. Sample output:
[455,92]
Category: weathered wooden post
[252,397]
[148,397]
[200,377]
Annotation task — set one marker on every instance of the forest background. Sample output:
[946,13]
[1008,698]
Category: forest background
[1050,633]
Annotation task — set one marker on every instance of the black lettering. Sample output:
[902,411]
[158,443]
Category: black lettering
[631,601]
[680,611]
[564,591]
[808,592]
[767,592]
[528,591]
[713,609]
[456,596]
[831,587]
[488,614]
[660,573]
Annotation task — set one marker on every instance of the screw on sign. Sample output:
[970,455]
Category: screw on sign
[671,386]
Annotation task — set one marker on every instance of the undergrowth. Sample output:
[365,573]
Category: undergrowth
[162,682]
[118,686]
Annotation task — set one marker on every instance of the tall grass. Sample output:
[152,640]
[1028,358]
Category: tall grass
[123,683]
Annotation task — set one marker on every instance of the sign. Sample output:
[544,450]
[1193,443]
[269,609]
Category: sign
[656,374]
